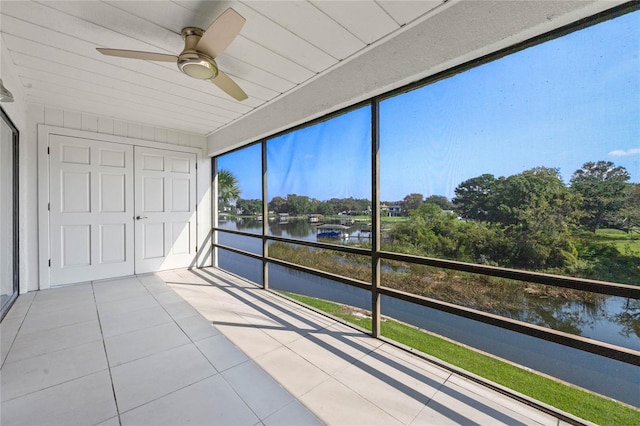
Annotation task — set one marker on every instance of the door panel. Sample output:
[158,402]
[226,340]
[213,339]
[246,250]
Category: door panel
[91,211]
[165,203]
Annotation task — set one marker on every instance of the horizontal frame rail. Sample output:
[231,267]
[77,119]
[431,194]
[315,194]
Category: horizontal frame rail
[238,251]
[594,286]
[597,347]
[323,245]
[610,289]
[334,277]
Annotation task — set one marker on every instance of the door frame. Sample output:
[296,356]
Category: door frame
[203,192]
[15,213]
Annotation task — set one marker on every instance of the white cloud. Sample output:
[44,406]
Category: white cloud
[622,152]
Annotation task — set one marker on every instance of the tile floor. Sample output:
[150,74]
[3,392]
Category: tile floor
[203,347]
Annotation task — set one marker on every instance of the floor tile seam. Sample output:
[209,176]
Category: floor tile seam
[183,299]
[416,367]
[440,384]
[376,404]
[47,353]
[304,310]
[121,299]
[100,305]
[311,407]
[331,373]
[59,326]
[144,328]
[15,336]
[287,326]
[106,355]
[280,345]
[293,401]
[31,356]
[416,361]
[228,341]
[423,404]
[119,315]
[299,337]
[56,384]
[54,294]
[150,355]
[282,383]
[57,310]
[255,364]
[507,411]
[271,374]
[107,419]
[128,410]
[198,313]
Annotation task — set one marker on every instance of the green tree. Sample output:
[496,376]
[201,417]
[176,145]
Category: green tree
[247,207]
[473,197]
[228,188]
[603,188]
[537,212]
[537,188]
[441,201]
[631,211]
[300,204]
[278,205]
[412,202]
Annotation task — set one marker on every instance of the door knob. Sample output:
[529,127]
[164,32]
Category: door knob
[141,217]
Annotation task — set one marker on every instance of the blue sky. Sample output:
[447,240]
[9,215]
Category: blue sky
[558,104]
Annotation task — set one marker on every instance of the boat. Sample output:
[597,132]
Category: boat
[331,230]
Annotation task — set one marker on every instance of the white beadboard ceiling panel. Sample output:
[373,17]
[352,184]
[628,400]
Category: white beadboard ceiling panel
[349,14]
[405,11]
[310,23]
[288,52]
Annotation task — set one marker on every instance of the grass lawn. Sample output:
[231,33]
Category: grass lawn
[625,243]
[583,404]
[392,219]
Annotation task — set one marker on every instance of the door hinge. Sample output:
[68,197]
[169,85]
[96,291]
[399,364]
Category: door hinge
[196,249]
[49,263]
[48,151]
[49,206]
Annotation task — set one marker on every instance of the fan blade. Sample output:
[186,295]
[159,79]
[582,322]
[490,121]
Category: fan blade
[135,54]
[229,86]
[221,33]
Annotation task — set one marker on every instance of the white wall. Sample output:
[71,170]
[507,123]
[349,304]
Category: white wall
[16,110]
[38,114]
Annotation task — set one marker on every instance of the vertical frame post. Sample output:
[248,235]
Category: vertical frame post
[214,211]
[265,218]
[375,219]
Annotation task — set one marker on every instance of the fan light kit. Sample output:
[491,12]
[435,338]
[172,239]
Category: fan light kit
[197,59]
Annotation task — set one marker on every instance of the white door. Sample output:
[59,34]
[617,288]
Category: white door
[165,209]
[91,209]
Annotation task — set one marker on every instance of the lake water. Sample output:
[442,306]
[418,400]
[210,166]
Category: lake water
[605,322]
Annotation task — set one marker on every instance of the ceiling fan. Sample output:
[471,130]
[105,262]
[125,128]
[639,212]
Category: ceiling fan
[197,59]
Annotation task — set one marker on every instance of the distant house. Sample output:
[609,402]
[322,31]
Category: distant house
[394,211]
[315,218]
[283,217]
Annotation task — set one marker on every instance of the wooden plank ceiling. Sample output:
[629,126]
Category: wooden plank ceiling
[283,45]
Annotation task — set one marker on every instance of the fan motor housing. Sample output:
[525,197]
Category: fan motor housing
[193,63]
